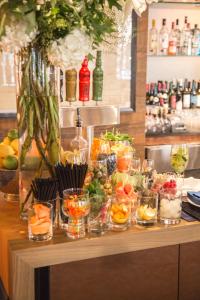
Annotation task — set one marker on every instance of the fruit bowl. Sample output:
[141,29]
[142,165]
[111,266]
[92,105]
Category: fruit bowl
[9,184]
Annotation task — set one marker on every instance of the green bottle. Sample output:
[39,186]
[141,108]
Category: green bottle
[98,79]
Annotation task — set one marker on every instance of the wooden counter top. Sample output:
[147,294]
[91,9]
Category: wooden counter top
[185,138]
[19,257]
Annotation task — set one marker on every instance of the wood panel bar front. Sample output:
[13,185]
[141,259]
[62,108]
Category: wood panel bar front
[20,257]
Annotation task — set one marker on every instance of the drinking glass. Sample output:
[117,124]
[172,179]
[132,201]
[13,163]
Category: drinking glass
[147,171]
[98,217]
[170,206]
[76,206]
[148,167]
[120,212]
[98,170]
[179,158]
[147,210]
[124,162]
[40,221]
[53,202]
[136,165]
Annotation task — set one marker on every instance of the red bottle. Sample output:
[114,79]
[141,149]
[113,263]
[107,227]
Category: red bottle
[84,82]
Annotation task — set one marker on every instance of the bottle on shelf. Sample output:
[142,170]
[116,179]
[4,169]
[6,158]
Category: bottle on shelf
[195,40]
[172,48]
[147,94]
[187,41]
[98,79]
[160,94]
[84,82]
[153,39]
[163,39]
[186,95]
[198,94]
[172,97]
[155,98]
[183,36]
[179,99]
[178,38]
[151,94]
[193,99]
[165,96]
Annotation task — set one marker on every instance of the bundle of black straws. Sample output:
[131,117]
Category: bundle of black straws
[44,189]
[70,176]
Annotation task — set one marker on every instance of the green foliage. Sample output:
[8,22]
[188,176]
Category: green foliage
[56,18]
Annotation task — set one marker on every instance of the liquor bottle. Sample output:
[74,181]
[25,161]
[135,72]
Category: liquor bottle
[178,38]
[147,94]
[172,97]
[160,93]
[193,99]
[163,38]
[187,42]
[181,85]
[79,145]
[165,96]
[179,98]
[84,82]
[186,95]
[195,40]
[198,95]
[98,79]
[172,48]
[71,82]
[155,98]
[151,95]
[153,39]
[183,35]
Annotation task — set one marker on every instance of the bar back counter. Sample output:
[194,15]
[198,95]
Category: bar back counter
[141,263]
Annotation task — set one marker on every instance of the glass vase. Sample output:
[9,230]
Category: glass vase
[38,120]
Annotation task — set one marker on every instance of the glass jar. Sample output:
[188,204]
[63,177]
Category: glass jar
[147,210]
[40,221]
[120,212]
[98,217]
[38,120]
[76,206]
[98,171]
[170,206]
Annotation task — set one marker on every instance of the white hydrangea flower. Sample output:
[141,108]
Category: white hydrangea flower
[17,37]
[69,52]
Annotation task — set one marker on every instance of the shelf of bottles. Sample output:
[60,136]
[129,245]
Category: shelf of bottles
[174,41]
[174,95]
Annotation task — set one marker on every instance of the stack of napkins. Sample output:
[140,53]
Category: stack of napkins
[191,189]
[189,184]
[191,209]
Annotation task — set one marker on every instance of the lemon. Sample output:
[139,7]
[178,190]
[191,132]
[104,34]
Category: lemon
[6,141]
[149,214]
[15,145]
[10,162]
[6,150]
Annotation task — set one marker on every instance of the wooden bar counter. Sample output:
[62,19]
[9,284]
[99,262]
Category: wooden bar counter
[120,266]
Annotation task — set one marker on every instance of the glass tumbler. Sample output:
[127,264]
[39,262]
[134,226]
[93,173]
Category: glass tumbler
[120,212]
[170,206]
[98,217]
[147,209]
[40,221]
[76,206]
[98,170]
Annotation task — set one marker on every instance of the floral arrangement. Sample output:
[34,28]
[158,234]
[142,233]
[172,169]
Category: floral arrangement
[66,29]
[47,35]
